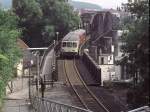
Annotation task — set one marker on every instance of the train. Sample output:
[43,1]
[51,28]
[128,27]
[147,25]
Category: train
[72,42]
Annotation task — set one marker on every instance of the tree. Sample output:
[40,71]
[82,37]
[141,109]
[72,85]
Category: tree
[136,51]
[42,19]
[9,52]
[30,19]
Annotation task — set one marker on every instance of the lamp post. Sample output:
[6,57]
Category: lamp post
[30,63]
[38,72]
[37,77]
[57,33]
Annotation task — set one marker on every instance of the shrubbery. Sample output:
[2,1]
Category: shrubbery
[9,51]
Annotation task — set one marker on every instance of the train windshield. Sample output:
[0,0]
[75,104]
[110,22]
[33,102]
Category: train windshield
[69,44]
[74,44]
[64,44]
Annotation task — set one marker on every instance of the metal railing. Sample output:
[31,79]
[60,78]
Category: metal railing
[45,54]
[45,105]
[141,109]
[92,66]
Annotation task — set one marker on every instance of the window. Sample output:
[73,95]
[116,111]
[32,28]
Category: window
[74,44]
[69,44]
[64,44]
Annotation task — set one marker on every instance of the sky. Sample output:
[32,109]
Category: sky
[6,3]
[105,3]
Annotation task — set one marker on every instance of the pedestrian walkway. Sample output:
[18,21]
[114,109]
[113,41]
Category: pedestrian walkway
[17,105]
[59,93]
[17,101]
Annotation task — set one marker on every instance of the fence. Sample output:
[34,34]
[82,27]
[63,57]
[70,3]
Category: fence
[45,105]
[93,68]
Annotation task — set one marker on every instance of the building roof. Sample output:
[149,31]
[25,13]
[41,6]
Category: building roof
[22,44]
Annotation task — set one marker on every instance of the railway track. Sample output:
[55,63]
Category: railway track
[86,98]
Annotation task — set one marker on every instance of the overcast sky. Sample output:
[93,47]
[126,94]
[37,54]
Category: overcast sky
[106,3]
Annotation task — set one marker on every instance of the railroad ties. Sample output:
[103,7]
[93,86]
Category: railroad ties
[83,93]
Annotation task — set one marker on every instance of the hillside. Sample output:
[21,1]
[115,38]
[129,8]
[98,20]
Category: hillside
[84,5]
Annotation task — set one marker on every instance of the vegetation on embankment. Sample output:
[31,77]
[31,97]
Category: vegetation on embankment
[136,53]
[9,51]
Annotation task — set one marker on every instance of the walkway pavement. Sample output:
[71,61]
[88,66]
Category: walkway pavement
[18,100]
[16,105]
[59,93]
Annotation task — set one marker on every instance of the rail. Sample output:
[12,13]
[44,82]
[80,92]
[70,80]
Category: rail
[74,78]
[45,105]
[90,92]
[75,91]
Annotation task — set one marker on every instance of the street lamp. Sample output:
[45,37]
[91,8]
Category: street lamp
[30,63]
[37,77]
[57,33]
[38,71]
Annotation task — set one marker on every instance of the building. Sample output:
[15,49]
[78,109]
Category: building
[19,65]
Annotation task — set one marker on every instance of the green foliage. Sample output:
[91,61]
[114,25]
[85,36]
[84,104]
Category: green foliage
[9,52]
[136,49]
[28,10]
[42,19]
[48,31]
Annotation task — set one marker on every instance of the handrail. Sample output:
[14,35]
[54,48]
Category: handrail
[53,45]
[47,105]
[45,53]
[141,109]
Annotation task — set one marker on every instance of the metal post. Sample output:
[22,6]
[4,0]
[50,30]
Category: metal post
[30,65]
[57,33]
[38,73]
[29,81]
[11,88]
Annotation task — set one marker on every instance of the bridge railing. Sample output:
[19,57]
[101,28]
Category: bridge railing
[92,66]
[45,105]
[45,54]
